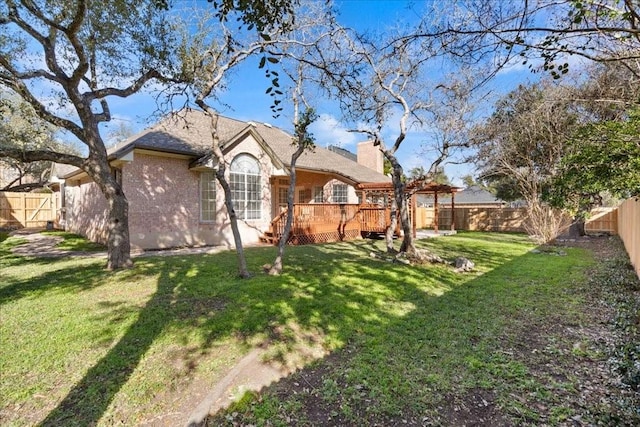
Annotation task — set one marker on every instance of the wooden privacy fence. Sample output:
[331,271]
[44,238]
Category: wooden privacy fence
[473,219]
[602,220]
[628,216]
[20,210]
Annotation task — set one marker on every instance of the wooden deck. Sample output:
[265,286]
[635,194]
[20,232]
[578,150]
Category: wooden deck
[324,223]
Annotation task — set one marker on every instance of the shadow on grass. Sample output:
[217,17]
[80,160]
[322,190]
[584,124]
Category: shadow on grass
[40,279]
[331,289]
[408,367]
[88,400]
[69,280]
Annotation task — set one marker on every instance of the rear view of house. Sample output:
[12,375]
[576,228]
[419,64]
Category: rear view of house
[168,175]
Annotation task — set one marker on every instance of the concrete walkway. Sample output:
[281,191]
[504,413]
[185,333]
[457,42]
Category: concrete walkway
[40,245]
[426,234]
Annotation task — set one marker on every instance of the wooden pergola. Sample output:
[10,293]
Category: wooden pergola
[412,189]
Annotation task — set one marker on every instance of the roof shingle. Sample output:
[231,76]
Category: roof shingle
[188,132]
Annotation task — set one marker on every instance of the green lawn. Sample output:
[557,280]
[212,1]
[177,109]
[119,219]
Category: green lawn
[80,345]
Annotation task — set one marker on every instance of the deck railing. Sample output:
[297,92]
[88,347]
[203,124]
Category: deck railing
[374,219]
[323,222]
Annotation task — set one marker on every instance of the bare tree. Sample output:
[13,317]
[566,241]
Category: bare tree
[207,63]
[540,33]
[455,102]
[522,145]
[386,90]
[213,66]
[387,86]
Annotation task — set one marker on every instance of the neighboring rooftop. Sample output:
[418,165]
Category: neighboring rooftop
[473,195]
[344,153]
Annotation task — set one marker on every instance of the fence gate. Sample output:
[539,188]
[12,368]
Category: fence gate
[20,210]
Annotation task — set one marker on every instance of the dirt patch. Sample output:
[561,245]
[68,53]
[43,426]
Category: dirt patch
[40,245]
[476,407]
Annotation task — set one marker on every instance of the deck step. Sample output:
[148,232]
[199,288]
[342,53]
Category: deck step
[267,237]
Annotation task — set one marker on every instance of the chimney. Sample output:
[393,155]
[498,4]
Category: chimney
[370,156]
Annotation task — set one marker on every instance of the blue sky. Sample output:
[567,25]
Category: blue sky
[245,98]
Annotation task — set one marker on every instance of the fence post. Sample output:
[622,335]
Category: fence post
[23,200]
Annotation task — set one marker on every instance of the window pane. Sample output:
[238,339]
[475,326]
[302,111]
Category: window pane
[282,196]
[318,194]
[207,196]
[339,193]
[304,195]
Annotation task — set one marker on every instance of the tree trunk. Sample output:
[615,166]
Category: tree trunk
[243,271]
[118,243]
[401,203]
[388,236]
[276,269]
[576,229]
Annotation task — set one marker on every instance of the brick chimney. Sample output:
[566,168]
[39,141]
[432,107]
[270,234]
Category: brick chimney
[370,156]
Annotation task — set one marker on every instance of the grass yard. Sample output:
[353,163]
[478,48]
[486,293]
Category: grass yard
[419,344]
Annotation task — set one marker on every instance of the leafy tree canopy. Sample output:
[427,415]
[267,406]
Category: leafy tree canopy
[439,176]
[605,157]
[22,129]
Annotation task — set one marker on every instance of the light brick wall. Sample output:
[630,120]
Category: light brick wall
[164,203]
[86,210]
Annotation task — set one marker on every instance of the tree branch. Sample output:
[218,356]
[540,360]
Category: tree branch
[130,90]
[38,155]
[20,88]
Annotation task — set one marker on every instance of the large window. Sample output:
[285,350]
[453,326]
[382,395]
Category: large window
[207,196]
[245,187]
[340,193]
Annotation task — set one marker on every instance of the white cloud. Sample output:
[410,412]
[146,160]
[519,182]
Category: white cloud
[328,130]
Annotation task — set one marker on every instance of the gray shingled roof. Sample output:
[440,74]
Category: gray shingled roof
[187,132]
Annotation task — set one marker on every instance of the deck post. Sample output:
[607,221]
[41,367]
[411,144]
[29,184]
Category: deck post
[414,207]
[453,211]
[435,212]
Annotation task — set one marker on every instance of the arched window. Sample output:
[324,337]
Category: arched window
[245,187]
